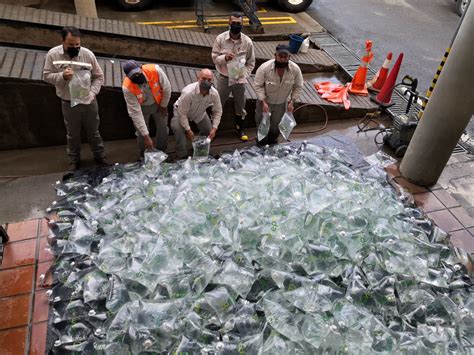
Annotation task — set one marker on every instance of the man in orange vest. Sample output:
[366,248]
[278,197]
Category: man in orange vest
[147,91]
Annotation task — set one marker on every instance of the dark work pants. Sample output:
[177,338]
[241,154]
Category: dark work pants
[277,111]
[75,118]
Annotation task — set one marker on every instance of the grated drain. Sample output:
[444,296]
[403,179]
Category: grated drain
[459,149]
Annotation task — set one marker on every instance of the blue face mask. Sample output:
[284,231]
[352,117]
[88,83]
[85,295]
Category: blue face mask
[205,85]
[72,51]
[138,79]
[235,29]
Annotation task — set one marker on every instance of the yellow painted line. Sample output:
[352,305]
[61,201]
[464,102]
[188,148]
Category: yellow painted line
[260,8]
[218,25]
[213,26]
[263,20]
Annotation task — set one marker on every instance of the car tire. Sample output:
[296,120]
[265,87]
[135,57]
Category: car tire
[462,6]
[294,5]
[134,5]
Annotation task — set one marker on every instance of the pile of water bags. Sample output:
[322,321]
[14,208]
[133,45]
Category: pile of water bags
[283,250]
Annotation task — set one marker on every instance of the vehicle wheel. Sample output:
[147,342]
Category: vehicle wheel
[462,6]
[400,151]
[294,5]
[134,5]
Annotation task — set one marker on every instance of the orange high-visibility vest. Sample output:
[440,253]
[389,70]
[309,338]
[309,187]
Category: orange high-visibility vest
[153,78]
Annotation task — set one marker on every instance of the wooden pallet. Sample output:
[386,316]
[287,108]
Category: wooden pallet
[27,64]
[314,60]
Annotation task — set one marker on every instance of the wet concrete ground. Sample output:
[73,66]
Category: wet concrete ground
[29,190]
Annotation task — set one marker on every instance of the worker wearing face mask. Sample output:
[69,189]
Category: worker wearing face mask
[230,47]
[278,84]
[60,63]
[192,106]
[147,91]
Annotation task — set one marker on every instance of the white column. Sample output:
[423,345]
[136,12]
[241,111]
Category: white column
[448,111]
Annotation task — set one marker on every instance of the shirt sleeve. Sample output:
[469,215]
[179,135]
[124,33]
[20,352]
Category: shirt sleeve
[50,73]
[97,76]
[250,60]
[166,87]
[135,112]
[259,83]
[216,110]
[217,57]
[298,85]
[183,110]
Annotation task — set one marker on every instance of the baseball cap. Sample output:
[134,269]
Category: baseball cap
[131,68]
[283,48]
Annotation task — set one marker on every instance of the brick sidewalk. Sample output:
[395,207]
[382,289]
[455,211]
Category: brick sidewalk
[24,306]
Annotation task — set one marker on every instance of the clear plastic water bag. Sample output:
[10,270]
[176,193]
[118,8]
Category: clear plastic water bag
[236,68]
[287,124]
[264,126]
[201,147]
[80,87]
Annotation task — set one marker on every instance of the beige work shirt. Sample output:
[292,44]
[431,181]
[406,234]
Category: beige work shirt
[192,105]
[53,74]
[133,106]
[275,90]
[224,44]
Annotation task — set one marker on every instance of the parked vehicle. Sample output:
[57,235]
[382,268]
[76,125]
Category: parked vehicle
[461,6]
[294,5]
[286,5]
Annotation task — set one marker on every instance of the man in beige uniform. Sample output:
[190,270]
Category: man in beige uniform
[278,84]
[195,99]
[82,115]
[228,46]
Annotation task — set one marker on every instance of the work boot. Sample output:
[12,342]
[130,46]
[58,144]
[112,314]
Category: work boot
[103,163]
[240,128]
[74,165]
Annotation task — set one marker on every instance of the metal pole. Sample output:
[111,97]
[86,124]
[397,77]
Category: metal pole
[86,8]
[447,114]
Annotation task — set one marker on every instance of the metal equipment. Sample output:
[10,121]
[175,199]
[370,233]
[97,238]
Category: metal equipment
[248,7]
[404,125]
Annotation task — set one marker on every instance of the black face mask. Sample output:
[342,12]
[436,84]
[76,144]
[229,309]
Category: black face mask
[235,29]
[281,64]
[73,51]
[205,85]
[139,79]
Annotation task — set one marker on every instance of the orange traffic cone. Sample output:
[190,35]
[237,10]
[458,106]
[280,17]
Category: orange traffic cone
[384,98]
[358,86]
[376,83]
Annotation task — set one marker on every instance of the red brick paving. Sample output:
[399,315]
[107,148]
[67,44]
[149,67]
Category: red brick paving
[24,260]
[13,341]
[19,254]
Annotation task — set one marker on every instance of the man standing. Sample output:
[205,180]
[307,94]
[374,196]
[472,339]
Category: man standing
[147,91]
[195,99]
[231,48]
[278,84]
[59,71]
